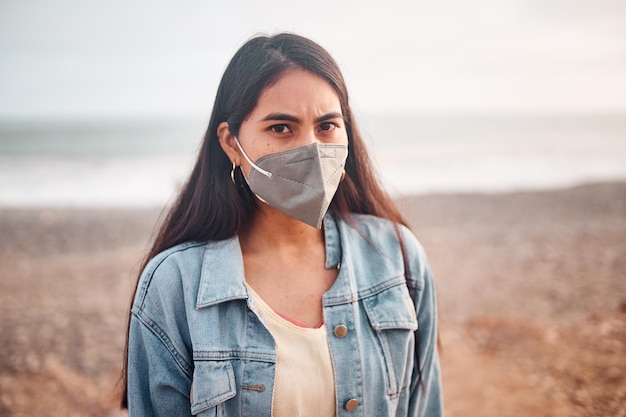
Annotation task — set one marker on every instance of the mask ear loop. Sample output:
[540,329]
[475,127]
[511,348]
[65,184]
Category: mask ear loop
[252,164]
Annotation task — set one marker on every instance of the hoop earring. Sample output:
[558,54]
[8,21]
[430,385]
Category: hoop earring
[232,174]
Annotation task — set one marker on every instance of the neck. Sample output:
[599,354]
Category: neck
[273,229]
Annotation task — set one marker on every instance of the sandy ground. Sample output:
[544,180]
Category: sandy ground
[532,299]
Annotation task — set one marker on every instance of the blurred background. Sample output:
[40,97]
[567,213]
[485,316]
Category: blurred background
[498,126]
[105,103]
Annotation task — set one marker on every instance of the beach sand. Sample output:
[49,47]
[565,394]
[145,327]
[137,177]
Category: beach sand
[532,300]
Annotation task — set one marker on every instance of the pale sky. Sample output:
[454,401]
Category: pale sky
[79,58]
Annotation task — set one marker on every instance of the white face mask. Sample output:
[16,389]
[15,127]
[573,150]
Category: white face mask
[299,182]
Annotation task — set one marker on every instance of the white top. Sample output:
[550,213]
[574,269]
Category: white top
[305,381]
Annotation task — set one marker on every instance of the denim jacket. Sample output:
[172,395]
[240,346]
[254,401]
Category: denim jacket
[197,345]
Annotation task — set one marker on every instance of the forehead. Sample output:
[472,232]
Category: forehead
[299,92]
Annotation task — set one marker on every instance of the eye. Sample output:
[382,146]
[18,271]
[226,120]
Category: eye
[280,128]
[328,126]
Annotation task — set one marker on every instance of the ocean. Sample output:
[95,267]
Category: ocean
[142,163]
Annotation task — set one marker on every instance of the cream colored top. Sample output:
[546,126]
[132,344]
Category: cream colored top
[305,384]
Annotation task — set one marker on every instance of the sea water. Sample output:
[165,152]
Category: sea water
[142,163]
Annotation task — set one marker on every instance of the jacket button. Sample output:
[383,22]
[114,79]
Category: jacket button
[340,331]
[351,405]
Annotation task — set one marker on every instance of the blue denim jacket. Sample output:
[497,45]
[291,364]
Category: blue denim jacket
[198,347]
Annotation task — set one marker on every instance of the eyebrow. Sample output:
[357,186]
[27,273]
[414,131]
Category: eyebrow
[290,118]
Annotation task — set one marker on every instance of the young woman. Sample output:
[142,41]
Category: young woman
[283,281]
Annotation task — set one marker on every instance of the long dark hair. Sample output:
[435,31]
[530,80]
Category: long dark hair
[209,206]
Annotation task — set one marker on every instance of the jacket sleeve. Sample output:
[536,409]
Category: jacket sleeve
[426,391]
[160,367]
[157,384]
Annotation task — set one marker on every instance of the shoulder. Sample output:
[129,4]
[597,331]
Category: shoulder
[164,273]
[384,239]
[370,228]
[381,232]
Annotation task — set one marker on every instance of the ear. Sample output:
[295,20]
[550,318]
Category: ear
[227,142]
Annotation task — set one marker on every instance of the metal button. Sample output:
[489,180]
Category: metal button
[351,405]
[340,331]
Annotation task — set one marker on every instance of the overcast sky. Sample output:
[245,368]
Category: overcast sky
[81,58]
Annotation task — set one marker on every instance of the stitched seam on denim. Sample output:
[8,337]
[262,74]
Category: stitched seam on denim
[390,371]
[167,343]
[383,286]
[222,300]
[396,324]
[417,282]
[150,273]
[369,292]
[207,355]
[419,289]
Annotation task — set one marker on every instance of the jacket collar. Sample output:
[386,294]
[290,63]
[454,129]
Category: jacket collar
[222,277]
[333,240]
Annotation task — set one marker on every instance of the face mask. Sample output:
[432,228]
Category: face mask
[299,182]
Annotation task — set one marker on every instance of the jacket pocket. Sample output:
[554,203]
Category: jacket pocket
[391,314]
[213,383]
